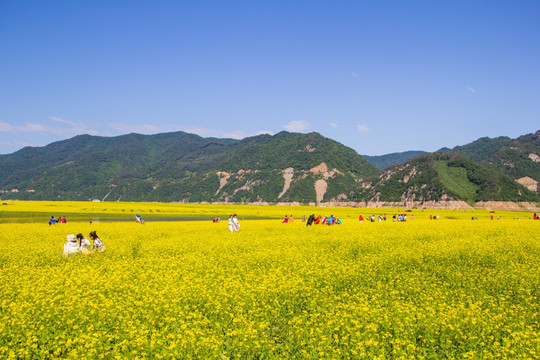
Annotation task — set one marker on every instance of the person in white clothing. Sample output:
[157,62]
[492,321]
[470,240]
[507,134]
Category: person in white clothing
[86,247]
[236,223]
[231,223]
[71,247]
[98,244]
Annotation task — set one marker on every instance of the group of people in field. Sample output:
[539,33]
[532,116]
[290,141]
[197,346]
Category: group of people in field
[326,220]
[288,219]
[381,218]
[60,220]
[234,225]
[79,244]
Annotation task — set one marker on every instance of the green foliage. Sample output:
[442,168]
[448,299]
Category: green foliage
[384,161]
[455,180]
[424,184]
[299,151]
[337,185]
[301,190]
[507,156]
[430,176]
[183,167]
[491,185]
[173,167]
[483,148]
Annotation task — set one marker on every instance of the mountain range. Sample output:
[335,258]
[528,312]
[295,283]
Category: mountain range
[287,167]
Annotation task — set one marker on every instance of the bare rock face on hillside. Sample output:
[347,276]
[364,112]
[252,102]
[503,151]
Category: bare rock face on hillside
[223,177]
[529,183]
[534,157]
[287,176]
[323,170]
[320,189]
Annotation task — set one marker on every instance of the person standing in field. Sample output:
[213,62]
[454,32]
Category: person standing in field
[236,223]
[98,244]
[361,218]
[71,247]
[231,224]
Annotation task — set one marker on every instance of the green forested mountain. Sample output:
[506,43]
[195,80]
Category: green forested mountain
[286,167]
[518,158]
[444,176]
[483,148]
[183,167]
[384,161]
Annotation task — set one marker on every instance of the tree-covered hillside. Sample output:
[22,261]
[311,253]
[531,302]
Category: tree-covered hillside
[286,167]
[518,158]
[440,176]
[182,167]
[384,161]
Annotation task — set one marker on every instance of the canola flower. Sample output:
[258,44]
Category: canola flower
[420,289]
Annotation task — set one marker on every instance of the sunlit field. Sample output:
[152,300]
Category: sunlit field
[448,288]
[41,211]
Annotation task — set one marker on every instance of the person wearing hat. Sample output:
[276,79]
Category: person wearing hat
[71,247]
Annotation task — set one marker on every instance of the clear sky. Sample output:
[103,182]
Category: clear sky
[377,76]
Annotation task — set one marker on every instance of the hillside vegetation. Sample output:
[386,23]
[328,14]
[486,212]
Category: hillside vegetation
[183,167]
[384,161]
[445,176]
[282,168]
[517,158]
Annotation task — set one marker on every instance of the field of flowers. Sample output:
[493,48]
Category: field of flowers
[451,288]
[36,211]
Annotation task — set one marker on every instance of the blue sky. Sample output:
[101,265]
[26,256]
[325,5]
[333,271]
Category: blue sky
[377,76]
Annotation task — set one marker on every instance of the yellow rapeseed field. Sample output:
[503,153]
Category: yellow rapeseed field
[422,289]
